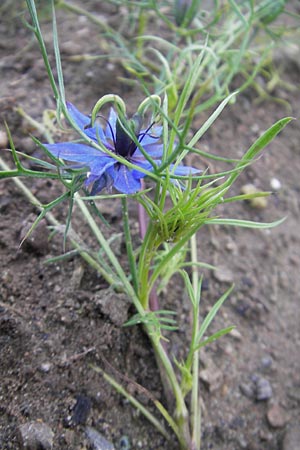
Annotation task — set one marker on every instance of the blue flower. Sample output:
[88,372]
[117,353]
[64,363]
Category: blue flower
[104,170]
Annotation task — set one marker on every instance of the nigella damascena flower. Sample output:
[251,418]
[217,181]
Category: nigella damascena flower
[104,170]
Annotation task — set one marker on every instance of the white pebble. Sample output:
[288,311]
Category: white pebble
[3,139]
[275,184]
[45,367]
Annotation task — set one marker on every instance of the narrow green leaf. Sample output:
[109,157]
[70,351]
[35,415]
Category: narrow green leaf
[189,287]
[211,120]
[238,12]
[210,316]
[63,257]
[259,145]
[214,337]
[57,57]
[245,223]
[13,149]
[98,213]
[153,318]
[246,197]
[44,211]
[36,28]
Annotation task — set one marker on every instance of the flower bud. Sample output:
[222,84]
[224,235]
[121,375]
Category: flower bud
[269,10]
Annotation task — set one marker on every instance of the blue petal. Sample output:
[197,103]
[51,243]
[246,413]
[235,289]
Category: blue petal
[99,166]
[81,119]
[183,170]
[150,137]
[145,165]
[110,130]
[74,152]
[99,176]
[96,133]
[153,150]
[124,180]
[105,181]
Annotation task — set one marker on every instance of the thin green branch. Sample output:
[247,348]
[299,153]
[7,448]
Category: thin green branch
[128,243]
[152,419]
[195,399]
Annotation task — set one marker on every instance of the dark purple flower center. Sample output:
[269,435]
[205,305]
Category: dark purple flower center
[124,145]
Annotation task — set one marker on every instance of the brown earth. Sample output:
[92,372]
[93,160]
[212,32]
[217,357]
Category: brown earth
[57,319]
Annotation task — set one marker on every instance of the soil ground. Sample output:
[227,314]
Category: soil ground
[57,319]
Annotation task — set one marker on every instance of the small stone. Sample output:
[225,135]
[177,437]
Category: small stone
[27,145]
[292,438]
[3,139]
[212,377]
[248,390]
[247,282]
[235,334]
[266,362]
[223,275]
[265,436]
[97,441]
[45,367]
[81,410]
[112,305]
[69,437]
[67,316]
[124,443]
[35,436]
[228,349]
[242,442]
[77,277]
[263,389]
[256,202]
[71,48]
[224,390]
[255,128]
[276,417]
[231,246]
[275,184]
[4,203]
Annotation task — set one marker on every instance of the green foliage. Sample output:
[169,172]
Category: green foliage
[197,59]
[163,40]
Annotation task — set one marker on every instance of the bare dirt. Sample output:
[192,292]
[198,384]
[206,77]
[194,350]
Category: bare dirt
[57,319]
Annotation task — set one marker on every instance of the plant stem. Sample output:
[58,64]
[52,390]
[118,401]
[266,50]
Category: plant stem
[142,220]
[153,299]
[110,254]
[195,406]
[128,243]
[145,259]
[181,412]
